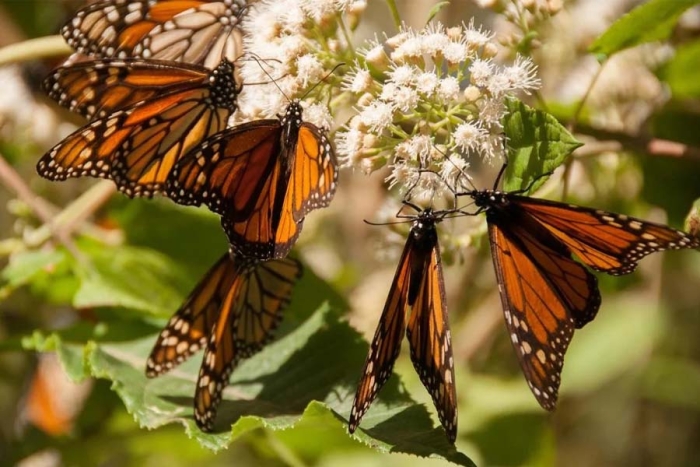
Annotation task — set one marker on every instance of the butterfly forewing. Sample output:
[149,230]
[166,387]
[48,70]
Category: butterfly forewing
[138,146]
[97,88]
[428,333]
[545,296]
[189,328]
[251,311]
[386,344]
[315,172]
[193,31]
[605,241]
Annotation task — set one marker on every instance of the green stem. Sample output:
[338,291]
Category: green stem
[394,13]
[33,49]
[346,34]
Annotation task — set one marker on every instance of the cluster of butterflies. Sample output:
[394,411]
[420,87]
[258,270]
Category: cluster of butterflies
[158,88]
[156,81]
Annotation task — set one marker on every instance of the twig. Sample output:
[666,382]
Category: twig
[644,144]
[11,179]
[76,213]
[52,46]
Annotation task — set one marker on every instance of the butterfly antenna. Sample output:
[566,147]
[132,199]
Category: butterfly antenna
[322,80]
[257,59]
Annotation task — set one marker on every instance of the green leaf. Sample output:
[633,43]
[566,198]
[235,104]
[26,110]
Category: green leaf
[308,373]
[652,21]
[129,277]
[537,144]
[681,72]
[191,237]
[26,265]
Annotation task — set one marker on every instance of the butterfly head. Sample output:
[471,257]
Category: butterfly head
[223,84]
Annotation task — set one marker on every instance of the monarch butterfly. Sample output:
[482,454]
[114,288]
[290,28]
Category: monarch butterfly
[545,293]
[148,115]
[418,286]
[232,311]
[262,177]
[201,32]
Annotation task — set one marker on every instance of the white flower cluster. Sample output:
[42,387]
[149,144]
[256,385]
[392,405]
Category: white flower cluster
[290,47]
[428,97]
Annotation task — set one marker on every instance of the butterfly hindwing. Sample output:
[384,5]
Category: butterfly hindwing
[250,313]
[189,328]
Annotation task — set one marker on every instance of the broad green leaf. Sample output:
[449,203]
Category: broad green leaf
[537,144]
[129,277]
[309,373]
[24,266]
[651,21]
[681,72]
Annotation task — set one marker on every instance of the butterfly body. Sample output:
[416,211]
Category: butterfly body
[136,143]
[189,31]
[417,291]
[542,251]
[262,177]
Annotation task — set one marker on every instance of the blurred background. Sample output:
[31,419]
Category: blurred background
[631,383]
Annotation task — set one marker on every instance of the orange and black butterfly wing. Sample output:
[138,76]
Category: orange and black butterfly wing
[386,344]
[267,294]
[138,146]
[314,171]
[428,333]
[545,296]
[605,241]
[240,174]
[250,313]
[192,31]
[100,87]
[189,328]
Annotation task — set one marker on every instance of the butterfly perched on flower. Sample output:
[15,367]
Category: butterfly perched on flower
[200,32]
[147,114]
[232,312]
[263,177]
[545,292]
[418,289]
